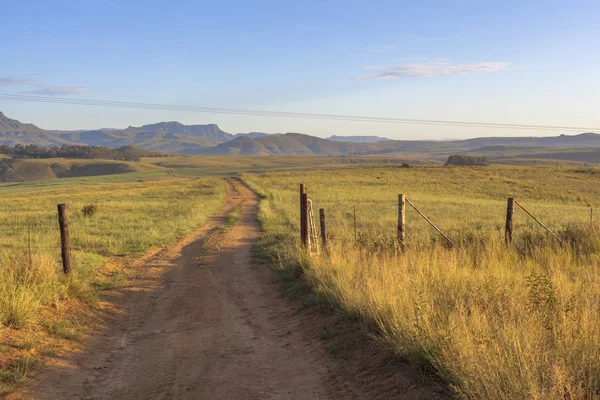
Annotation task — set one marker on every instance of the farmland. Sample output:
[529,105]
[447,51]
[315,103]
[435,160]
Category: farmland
[493,321]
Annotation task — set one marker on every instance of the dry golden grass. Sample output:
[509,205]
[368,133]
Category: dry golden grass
[495,322]
[106,219]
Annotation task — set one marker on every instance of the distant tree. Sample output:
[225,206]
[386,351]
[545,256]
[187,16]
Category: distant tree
[462,160]
[68,151]
[6,149]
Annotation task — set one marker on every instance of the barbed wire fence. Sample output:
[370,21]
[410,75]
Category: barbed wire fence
[310,235]
[41,232]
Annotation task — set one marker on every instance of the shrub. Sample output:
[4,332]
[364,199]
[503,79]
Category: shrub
[89,210]
[467,160]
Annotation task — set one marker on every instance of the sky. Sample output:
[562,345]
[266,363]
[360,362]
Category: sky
[515,62]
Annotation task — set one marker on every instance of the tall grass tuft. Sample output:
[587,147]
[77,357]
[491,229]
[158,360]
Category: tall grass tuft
[26,286]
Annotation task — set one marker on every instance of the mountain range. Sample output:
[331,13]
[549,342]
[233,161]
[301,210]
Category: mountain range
[174,137]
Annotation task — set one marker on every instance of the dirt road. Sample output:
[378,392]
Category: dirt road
[201,320]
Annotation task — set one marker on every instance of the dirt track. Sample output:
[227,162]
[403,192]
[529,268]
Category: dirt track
[201,320]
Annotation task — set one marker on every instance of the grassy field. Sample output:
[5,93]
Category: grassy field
[19,170]
[109,216]
[495,322]
[232,165]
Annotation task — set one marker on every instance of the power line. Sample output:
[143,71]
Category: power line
[281,114]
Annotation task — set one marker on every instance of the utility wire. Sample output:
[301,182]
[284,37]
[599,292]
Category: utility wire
[282,114]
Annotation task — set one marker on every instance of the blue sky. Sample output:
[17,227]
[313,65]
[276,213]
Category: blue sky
[525,62]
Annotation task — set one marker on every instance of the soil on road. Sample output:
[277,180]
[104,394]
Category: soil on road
[201,320]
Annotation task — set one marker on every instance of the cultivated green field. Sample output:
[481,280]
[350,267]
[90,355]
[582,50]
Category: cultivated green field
[118,215]
[495,322]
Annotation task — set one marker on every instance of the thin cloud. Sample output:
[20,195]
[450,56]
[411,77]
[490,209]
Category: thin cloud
[380,48]
[15,81]
[59,90]
[430,70]
[41,89]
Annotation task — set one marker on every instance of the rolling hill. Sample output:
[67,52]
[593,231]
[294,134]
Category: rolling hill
[293,144]
[48,169]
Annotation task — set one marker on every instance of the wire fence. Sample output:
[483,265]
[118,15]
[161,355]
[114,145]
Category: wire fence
[25,232]
[583,232]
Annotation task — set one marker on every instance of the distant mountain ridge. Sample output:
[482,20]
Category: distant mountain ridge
[12,125]
[251,134]
[295,144]
[209,139]
[14,132]
[357,139]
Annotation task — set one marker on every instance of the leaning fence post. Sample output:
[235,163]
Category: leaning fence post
[323,228]
[539,222]
[431,223]
[65,244]
[401,219]
[510,210]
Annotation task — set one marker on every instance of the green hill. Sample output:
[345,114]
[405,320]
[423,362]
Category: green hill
[15,170]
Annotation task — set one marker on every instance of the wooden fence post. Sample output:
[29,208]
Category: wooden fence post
[323,228]
[65,244]
[29,242]
[307,224]
[304,218]
[355,233]
[401,219]
[303,205]
[510,210]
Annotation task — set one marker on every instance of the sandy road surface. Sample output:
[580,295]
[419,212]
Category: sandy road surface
[202,321]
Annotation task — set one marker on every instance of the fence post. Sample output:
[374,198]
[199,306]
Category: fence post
[592,218]
[355,233]
[303,205]
[307,225]
[510,210]
[65,244]
[401,219]
[323,228]
[29,242]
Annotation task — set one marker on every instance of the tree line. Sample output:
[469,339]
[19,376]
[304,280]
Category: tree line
[463,160]
[68,151]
